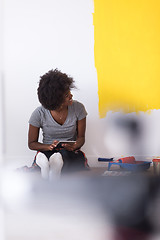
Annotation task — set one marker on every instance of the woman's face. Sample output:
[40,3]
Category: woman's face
[68,98]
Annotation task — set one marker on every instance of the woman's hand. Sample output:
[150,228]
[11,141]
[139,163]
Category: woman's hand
[53,145]
[70,146]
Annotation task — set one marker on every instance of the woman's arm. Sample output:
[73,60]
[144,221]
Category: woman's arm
[81,128]
[33,144]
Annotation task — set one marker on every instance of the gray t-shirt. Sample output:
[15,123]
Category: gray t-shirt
[51,130]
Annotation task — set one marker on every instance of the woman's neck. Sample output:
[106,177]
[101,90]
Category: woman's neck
[61,109]
[60,114]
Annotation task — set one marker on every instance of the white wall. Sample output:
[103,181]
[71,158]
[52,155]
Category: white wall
[1,120]
[40,35]
[1,81]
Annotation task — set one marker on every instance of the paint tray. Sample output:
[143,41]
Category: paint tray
[136,166]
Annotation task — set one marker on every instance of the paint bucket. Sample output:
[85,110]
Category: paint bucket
[156,166]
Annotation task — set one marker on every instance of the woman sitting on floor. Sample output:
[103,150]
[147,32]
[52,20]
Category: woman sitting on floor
[61,119]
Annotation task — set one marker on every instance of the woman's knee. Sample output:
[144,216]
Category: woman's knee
[56,160]
[42,160]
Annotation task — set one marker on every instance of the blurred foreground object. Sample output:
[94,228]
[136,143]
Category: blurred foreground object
[75,208]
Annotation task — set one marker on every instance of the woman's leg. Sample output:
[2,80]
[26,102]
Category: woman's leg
[73,161]
[42,162]
[56,164]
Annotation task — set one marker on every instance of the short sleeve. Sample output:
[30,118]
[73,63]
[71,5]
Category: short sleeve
[35,119]
[80,110]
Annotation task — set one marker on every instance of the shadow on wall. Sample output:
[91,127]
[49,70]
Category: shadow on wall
[120,134]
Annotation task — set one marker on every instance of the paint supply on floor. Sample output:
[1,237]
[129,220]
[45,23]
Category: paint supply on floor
[130,164]
[156,166]
[105,159]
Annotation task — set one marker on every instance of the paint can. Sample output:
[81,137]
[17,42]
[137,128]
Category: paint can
[156,166]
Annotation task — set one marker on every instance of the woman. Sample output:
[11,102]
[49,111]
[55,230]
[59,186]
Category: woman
[61,119]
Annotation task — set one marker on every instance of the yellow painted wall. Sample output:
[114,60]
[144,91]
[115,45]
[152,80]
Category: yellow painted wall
[127,54]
